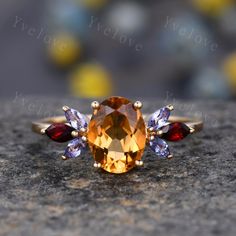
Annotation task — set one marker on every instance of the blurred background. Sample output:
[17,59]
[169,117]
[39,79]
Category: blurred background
[96,48]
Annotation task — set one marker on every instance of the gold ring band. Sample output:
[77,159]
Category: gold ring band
[43,124]
[117,132]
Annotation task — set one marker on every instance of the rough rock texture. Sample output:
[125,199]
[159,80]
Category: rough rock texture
[192,194]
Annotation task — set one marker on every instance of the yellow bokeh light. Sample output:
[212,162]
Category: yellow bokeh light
[93,4]
[212,8]
[90,81]
[229,67]
[64,50]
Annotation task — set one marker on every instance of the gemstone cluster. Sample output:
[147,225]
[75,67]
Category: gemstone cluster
[64,132]
[162,131]
[117,134]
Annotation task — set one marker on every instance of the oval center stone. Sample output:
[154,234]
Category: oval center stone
[117,135]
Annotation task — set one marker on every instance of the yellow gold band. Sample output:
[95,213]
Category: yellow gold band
[43,124]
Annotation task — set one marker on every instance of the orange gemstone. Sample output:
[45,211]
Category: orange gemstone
[117,135]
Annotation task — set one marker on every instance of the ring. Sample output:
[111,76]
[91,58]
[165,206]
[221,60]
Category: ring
[117,133]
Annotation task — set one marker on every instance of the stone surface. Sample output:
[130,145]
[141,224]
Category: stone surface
[117,135]
[193,194]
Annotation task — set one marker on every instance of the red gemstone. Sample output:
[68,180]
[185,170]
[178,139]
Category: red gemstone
[175,132]
[60,132]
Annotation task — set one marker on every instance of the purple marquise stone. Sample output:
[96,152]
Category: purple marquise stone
[160,147]
[76,119]
[159,118]
[74,148]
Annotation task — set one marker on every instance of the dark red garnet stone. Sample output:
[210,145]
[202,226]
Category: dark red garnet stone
[59,132]
[175,132]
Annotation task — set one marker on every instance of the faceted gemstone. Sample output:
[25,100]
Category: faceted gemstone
[117,135]
[175,132]
[160,147]
[159,118]
[59,132]
[76,119]
[74,148]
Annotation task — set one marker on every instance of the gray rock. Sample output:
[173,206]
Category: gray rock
[192,194]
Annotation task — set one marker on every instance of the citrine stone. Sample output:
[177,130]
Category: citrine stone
[117,135]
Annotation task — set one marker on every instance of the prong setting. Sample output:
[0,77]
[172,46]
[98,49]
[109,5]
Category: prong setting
[83,130]
[192,130]
[152,137]
[75,134]
[95,105]
[138,105]
[150,129]
[64,158]
[84,138]
[139,163]
[159,133]
[65,108]
[97,165]
[170,107]
[43,131]
[170,156]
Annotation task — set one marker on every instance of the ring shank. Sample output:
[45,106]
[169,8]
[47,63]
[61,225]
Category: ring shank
[43,124]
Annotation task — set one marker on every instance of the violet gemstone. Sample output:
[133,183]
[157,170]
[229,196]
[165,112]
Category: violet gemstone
[76,119]
[59,132]
[159,118]
[75,148]
[175,132]
[160,147]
